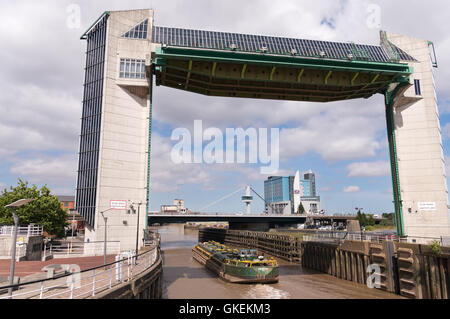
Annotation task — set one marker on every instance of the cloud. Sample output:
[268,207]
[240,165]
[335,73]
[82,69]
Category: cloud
[446,132]
[345,131]
[447,165]
[42,77]
[352,189]
[369,169]
[167,176]
[45,170]
[36,118]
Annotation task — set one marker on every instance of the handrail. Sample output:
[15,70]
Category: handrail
[81,272]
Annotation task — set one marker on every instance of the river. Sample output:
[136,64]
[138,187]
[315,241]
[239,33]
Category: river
[185,278]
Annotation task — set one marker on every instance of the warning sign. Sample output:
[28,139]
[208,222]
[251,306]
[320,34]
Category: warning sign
[118,204]
[427,206]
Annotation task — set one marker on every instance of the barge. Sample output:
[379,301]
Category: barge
[236,265]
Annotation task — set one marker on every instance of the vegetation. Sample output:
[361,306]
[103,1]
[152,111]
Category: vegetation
[45,210]
[301,209]
[365,220]
[388,220]
[435,247]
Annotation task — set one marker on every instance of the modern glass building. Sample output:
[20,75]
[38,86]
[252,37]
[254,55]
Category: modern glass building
[279,194]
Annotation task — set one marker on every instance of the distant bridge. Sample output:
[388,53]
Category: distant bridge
[240,221]
[262,222]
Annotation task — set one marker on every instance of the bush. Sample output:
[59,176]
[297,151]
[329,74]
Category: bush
[435,247]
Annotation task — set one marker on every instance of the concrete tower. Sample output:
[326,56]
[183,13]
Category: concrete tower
[247,199]
[418,167]
[115,129]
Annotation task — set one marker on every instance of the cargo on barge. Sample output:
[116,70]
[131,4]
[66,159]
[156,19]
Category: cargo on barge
[236,265]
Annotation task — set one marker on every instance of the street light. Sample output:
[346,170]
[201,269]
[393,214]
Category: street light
[13,206]
[137,227]
[104,246]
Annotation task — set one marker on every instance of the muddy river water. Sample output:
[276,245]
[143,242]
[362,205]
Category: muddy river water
[185,278]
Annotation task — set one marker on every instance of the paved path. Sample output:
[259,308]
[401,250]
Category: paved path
[26,268]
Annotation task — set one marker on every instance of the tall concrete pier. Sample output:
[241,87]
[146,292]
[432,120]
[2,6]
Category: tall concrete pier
[420,181]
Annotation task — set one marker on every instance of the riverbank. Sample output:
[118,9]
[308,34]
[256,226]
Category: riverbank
[184,278]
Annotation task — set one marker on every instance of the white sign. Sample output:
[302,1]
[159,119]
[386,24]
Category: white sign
[427,206]
[118,204]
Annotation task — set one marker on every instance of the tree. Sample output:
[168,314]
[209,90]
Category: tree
[388,219]
[363,220]
[301,209]
[371,221]
[45,210]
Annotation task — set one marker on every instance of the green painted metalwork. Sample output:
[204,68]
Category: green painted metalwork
[84,36]
[365,78]
[150,116]
[272,76]
[359,54]
[398,203]
[282,61]
[388,44]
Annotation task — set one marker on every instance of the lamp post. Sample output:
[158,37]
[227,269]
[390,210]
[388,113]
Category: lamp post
[13,206]
[105,219]
[137,226]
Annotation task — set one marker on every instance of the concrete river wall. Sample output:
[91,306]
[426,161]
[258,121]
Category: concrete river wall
[411,270]
[146,286]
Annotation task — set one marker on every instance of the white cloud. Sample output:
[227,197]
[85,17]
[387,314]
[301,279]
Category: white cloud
[369,169]
[35,118]
[446,132]
[42,77]
[352,189]
[45,170]
[345,131]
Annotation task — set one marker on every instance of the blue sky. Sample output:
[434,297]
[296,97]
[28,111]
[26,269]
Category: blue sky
[343,143]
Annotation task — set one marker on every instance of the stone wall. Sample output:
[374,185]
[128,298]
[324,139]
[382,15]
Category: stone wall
[146,286]
[410,270]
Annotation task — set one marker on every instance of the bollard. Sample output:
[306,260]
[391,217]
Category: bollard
[93,283]
[42,290]
[71,289]
[111,276]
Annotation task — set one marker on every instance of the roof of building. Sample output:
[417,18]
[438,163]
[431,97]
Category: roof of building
[387,52]
[66,198]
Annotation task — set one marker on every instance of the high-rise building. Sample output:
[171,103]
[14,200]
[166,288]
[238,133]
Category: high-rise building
[283,195]
[277,192]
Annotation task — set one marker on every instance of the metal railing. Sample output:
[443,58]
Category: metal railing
[85,249]
[28,231]
[151,239]
[75,284]
[339,237]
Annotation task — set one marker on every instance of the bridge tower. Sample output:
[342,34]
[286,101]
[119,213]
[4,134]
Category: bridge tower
[415,142]
[247,199]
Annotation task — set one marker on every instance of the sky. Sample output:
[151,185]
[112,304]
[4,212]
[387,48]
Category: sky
[344,143]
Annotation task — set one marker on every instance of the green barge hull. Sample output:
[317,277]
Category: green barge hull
[233,266]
